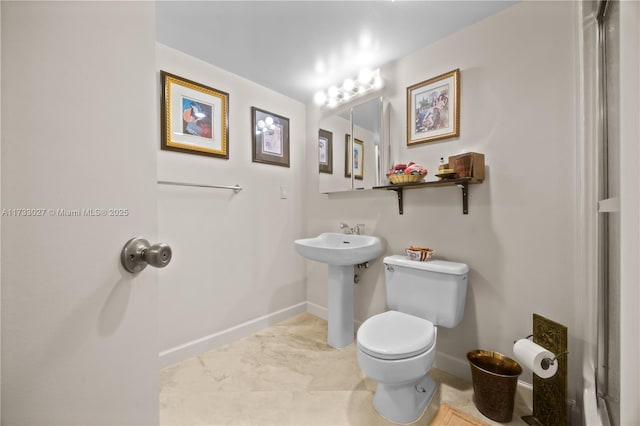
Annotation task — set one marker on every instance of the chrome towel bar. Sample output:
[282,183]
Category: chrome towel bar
[235,189]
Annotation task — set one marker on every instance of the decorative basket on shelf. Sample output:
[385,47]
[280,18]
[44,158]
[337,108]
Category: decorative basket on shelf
[397,179]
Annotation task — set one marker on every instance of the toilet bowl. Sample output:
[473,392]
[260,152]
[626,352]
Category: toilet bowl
[396,348]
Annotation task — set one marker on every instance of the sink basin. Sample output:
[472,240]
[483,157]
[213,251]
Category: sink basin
[341,252]
[340,249]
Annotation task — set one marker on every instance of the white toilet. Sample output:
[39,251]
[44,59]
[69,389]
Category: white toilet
[396,348]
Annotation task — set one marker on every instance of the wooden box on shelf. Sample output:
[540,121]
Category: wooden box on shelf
[469,164]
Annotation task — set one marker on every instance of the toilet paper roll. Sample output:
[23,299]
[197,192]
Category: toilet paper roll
[532,356]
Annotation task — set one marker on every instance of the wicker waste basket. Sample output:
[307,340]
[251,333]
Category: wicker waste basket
[495,379]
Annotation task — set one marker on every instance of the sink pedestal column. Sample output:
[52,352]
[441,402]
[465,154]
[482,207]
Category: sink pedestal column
[340,306]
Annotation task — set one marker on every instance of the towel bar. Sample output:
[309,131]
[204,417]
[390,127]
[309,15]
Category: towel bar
[235,189]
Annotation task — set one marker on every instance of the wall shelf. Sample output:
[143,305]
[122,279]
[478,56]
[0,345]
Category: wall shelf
[462,183]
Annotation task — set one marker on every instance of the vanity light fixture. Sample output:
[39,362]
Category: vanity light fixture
[366,82]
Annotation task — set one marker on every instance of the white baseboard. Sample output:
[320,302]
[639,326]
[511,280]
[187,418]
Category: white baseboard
[322,312]
[221,338]
[317,310]
[457,367]
[461,368]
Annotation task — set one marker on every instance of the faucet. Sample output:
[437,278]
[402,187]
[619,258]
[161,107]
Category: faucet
[346,229]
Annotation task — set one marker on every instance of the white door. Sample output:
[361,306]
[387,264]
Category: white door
[79,140]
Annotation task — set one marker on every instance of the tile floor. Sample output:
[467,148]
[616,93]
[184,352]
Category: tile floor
[288,375]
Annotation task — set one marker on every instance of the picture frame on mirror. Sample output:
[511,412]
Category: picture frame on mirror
[325,151]
[358,158]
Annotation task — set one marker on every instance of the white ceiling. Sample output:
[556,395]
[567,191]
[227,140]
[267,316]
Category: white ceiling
[299,47]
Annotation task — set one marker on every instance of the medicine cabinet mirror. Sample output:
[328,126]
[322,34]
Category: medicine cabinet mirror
[338,156]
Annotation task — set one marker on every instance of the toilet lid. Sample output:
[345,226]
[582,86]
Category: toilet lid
[395,335]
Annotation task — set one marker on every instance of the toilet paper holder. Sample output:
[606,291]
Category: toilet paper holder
[550,394]
[547,362]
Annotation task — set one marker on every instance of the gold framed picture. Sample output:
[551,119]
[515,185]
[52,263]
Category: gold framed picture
[194,117]
[433,109]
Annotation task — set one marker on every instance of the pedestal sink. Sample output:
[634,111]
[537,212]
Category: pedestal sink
[341,252]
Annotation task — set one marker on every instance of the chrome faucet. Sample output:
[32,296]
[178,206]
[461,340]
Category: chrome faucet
[344,227]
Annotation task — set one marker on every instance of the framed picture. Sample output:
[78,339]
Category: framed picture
[358,157]
[270,137]
[325,151]
[195,118]
[433,109]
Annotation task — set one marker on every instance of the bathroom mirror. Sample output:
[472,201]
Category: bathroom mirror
[338,155]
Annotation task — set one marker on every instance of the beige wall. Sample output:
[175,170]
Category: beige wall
[518,108]
[232,253]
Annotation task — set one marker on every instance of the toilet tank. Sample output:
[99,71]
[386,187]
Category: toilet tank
[435,290]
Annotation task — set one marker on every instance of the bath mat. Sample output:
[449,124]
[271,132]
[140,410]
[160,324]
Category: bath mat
[448,416]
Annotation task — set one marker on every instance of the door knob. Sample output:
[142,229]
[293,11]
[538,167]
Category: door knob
[137,253]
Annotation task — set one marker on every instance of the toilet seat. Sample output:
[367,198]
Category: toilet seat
[395,335]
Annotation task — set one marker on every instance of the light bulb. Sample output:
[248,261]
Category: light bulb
[320,98]
[348,85]
[269,121]
[365,76]
[350,88]
[261,124]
